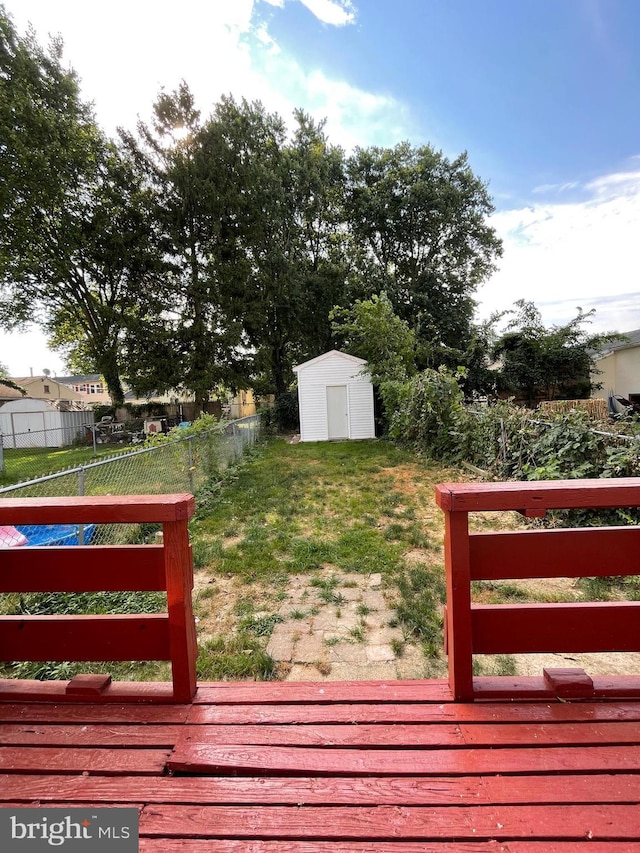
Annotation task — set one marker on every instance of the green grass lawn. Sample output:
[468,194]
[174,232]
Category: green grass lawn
[348,507]
[302,509]
[29,463]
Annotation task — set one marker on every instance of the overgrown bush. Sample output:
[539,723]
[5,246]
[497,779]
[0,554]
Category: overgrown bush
[427,413]
[515,443]
[285,414]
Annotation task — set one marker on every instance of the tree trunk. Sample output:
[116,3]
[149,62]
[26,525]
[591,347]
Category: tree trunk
[108,366]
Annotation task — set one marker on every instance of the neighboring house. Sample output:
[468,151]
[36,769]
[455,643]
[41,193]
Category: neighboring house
[617,368]
[335,395]
[91,387]
[47,388]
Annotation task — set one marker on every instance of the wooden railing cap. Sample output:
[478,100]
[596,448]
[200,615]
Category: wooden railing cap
[107,509]
[537,496]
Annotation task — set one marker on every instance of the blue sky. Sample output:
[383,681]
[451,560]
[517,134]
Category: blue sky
[543,94]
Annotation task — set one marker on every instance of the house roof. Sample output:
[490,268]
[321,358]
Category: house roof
[7,393]
[327,355]
[628,340]
[76,380]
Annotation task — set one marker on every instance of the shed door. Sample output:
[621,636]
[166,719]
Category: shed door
[337,411]
[29,422]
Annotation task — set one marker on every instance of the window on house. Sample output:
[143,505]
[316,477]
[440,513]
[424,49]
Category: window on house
[46,389]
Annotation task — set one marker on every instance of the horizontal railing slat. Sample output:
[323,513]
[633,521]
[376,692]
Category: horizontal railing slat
[539,495]
[85,638]
[88,568]
[529,628]
[571,553]
[117,509]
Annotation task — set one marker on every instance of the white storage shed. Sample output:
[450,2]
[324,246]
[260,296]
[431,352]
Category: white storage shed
[36,423]
[335,395]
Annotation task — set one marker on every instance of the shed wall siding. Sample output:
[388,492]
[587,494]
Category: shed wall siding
[312,397]
[361,421]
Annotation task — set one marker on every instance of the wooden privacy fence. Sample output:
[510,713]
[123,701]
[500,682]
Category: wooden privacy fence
[537,628]
[167,567]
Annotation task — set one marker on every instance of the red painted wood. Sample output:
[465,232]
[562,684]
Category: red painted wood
[210,845]
[85,568]
[84,638]
[99,734]
[182,629]
[407,713]
[529,688]
[95,638]
[596,552]
[18,759]
[568,682]
[101,510]
[16,690]
[322,692]
[458,624]
[432,735]
[198,757]
[358,790]
[384,822]
[586,627]
[140,713]
[201,845]
[89,685]
[538,495]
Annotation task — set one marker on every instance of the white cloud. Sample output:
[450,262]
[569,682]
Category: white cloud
[574,254]
[335,12]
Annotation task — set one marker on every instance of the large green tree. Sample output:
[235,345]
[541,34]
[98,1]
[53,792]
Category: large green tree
[419,230]
[77,254]
[197,183]
[540,363]
[293,241]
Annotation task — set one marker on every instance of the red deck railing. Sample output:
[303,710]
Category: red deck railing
[165,567]
[537,628]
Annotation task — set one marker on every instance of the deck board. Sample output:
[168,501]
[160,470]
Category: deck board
[369,767]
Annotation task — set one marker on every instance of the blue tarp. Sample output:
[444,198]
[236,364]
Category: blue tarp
[55,534]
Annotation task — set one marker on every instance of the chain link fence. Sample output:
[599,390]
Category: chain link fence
[171,466]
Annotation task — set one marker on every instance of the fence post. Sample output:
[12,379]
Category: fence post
[192,487]
[80,494]
[1,454]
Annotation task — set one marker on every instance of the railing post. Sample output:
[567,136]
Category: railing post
[182,629]
[458,623]
[1,454]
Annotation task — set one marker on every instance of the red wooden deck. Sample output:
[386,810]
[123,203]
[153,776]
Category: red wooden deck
[380,767]
[305,768]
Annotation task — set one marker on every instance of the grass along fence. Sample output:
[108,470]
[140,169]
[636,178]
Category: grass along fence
[173,465]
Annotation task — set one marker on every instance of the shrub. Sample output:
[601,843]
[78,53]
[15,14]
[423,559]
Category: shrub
[427,412]
[285,414]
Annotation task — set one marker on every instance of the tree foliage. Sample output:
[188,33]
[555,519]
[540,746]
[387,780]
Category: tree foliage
[207,251]
[76,252]
[539,363]
[371,330]
[418,223]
